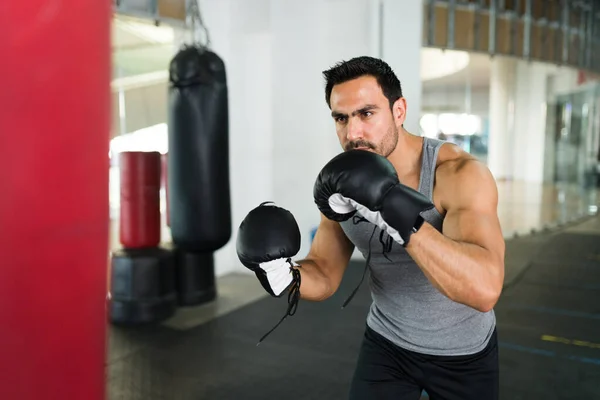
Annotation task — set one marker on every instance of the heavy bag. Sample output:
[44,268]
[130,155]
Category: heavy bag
[54,199]
[140,173]
[195,277]
[198,162]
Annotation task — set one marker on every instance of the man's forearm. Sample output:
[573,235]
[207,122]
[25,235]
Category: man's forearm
[461,271]
[315,286]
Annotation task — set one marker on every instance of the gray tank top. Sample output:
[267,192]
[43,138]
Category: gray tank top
[407,309]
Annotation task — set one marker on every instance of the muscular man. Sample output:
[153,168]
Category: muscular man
[424,214]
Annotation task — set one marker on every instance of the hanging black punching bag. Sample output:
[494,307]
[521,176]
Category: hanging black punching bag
[198,163]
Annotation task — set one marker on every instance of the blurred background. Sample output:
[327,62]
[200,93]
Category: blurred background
[512,82]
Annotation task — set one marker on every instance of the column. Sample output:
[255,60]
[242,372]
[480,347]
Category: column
[501,119]
[530,122]
[54,203]
[402,31]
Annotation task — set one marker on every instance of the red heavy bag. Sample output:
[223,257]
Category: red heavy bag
[54,135]
[140,199]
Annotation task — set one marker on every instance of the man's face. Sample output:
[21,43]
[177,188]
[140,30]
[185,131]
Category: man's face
[362,116]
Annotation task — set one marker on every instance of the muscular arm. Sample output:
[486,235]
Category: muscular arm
[323,268]
[466,261]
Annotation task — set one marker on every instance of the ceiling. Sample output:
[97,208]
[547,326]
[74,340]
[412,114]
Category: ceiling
[141,45]
[460,67]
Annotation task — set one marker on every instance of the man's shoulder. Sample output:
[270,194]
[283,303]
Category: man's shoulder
[459,174]
[455,163]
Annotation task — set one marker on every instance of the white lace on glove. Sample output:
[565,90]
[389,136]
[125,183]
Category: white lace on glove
[345,205]
[279,274]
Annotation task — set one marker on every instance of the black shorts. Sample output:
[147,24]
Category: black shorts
[386,371]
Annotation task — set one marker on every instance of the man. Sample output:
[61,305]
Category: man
[440,270]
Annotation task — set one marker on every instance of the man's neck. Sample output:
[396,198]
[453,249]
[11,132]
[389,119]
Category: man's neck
[406,158]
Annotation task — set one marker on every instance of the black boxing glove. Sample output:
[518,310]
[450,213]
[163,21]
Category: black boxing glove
[267,240]
[365,182]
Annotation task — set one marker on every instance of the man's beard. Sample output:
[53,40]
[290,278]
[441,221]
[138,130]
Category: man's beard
[385,147]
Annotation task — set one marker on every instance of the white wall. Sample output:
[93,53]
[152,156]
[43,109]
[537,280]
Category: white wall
[304,135]
[280,130]
[402,30]
[281,133]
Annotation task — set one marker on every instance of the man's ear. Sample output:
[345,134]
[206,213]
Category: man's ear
[399,111]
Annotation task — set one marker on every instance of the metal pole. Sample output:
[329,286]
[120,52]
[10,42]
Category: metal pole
[589,37]
[431,23]
[492,24]
[477,24]
[451,19]
[556,28]
[515,17]
[593,31]
[566,32]
[582,43]
[595,34]
[527,30]
[544,44]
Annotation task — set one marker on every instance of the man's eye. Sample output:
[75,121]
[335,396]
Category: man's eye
[367,113]
[340,119]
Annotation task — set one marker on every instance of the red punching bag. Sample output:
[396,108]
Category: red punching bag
[142,273]
[140,199]
[54,136]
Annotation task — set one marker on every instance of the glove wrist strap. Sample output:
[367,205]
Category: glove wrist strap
[293,297]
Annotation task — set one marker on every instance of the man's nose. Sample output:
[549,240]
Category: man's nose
[354,130]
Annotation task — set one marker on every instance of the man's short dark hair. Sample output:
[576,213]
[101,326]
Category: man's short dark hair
[364,66]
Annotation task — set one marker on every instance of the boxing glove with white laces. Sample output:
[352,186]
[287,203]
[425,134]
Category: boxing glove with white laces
[267,240]
[365,182]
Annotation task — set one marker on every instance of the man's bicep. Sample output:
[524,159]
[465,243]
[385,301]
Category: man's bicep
[472,215]
[475,227]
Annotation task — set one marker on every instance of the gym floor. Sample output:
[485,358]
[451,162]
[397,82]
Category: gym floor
[548,325]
